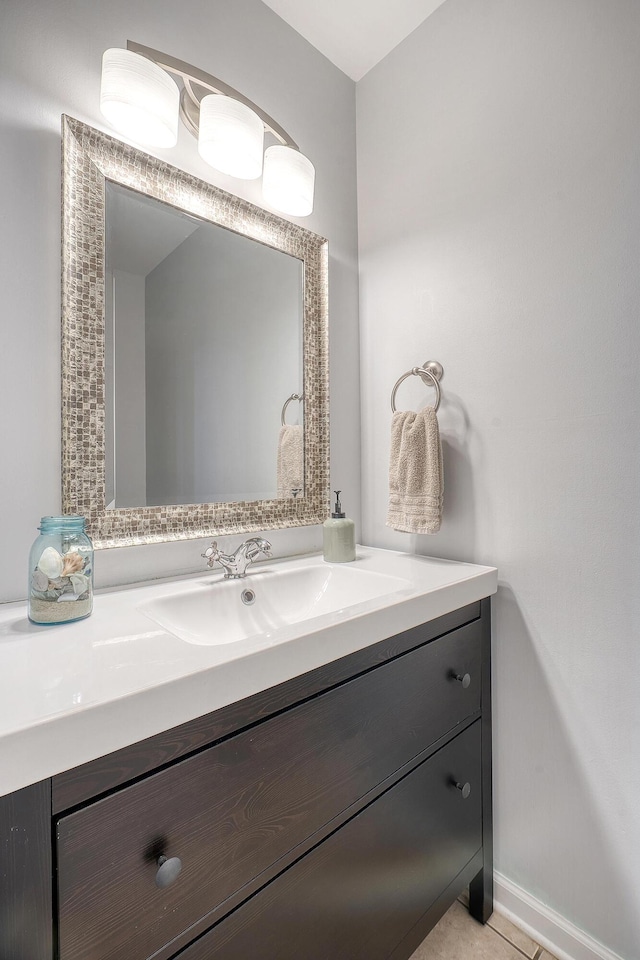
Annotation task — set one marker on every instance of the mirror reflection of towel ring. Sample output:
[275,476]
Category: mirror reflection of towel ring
[430,372]
[294,396]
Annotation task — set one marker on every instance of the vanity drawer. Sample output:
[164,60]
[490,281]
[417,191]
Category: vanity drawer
[234,809]
[358,894]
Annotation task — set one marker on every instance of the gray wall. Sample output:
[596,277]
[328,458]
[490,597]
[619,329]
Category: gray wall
[129,398]
[50,56]
[499,221]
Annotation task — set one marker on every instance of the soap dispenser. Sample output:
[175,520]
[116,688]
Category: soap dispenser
[339,535]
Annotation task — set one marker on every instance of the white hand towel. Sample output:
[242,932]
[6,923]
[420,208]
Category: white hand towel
[290,463]
[416,480]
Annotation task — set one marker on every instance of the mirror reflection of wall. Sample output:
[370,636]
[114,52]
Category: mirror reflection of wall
[203,346]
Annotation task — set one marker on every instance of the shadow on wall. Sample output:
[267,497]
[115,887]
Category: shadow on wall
[538,740]
[458,534]
[30,271]
[34,240]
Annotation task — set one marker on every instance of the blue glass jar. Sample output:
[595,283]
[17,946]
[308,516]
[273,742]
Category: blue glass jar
[61,572]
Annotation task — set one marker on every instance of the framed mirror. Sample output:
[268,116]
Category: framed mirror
[194,353]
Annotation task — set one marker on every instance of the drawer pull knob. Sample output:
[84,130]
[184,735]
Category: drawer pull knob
[465,789]
[168,871]
[464,679]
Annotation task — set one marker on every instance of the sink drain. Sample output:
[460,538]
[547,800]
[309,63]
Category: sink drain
[248,597]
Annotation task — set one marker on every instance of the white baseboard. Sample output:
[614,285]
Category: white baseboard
[557,935]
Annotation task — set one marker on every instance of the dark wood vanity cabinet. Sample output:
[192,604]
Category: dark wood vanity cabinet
[336,815]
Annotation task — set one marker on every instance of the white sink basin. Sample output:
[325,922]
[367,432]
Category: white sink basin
[214,613]
[77,691]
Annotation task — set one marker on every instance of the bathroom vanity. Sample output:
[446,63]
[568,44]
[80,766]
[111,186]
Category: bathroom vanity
[332,801]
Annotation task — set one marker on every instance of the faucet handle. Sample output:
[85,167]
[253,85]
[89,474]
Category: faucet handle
[211,554]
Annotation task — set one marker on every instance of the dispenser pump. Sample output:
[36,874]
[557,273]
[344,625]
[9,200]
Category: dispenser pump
[337,512]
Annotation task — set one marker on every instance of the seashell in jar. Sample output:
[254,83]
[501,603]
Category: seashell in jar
[39,581]
[72,563]
[79,582]
[59,583]
[51,563]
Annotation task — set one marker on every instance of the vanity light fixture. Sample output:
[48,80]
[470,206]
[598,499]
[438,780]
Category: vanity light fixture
[140,98]
[287,180]
[231,137]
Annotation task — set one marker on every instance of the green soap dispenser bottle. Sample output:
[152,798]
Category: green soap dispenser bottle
[339,536]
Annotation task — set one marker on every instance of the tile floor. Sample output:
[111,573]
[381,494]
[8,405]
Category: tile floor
[459,937]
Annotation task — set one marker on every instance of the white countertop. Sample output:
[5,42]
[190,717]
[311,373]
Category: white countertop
[70,693]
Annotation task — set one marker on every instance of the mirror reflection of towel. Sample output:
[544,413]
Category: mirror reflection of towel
[290,464]
[416,482]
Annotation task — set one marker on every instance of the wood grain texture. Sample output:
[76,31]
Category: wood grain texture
[412,940]
[232,811]
[358,893]
[25,874]
[97,777]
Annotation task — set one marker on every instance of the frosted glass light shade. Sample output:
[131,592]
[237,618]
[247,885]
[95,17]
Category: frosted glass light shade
[139,98]
[231,137]
[288,181]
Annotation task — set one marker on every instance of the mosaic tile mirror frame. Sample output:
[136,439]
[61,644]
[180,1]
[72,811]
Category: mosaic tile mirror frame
[90,159]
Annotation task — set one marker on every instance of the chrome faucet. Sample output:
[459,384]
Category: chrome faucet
[235,564]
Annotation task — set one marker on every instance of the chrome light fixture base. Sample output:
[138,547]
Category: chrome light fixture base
[197,85]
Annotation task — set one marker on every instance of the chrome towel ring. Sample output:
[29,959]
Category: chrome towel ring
[294,396]
[431,372]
